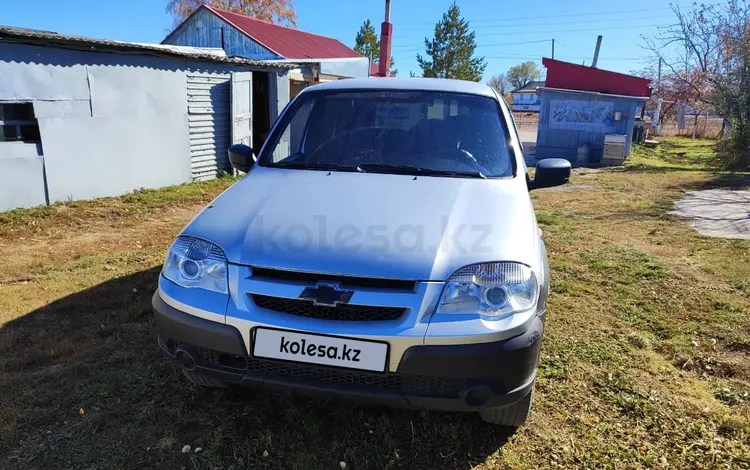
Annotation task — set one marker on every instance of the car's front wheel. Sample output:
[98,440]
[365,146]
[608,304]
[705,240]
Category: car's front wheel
[512,415]
[203,380]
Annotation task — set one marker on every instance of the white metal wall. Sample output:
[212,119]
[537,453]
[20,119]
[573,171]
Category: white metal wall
[208,117]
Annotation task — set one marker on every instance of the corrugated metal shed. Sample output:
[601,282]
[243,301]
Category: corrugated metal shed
[11,34]
[208,121]
[578,77]
[569,118]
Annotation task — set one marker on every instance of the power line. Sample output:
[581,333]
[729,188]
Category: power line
[514,24]
[505,43]
[420,48]
[565,58]
[569,15]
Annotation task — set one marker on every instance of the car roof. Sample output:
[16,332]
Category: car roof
[417,84]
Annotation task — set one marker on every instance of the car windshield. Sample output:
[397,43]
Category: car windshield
[414,132]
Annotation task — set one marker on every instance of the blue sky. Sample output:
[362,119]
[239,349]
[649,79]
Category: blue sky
[507,32]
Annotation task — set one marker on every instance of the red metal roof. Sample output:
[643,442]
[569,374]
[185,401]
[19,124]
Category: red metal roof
[288,42]
[579,77]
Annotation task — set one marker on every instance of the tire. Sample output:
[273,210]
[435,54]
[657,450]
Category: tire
[512,415]
[203,380]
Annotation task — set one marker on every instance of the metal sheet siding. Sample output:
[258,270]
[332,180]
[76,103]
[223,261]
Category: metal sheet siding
[205,29]
[562,140]
[208,123]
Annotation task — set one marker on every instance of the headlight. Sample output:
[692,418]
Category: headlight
[192,262]
[490,289]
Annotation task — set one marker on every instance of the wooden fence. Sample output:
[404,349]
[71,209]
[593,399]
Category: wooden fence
[708,127]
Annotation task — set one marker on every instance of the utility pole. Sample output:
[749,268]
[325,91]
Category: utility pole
[657,112]
[658,77]
[596,51]
[553,48]
[386,31]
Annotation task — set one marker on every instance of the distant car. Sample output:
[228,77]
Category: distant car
[383,248]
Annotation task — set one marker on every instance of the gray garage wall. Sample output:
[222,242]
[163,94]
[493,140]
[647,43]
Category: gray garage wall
[21,175]
[109,124]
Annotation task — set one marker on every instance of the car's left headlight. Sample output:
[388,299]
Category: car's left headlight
[193,262]
[493,290]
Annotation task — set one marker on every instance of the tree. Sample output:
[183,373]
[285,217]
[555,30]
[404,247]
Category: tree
[707,50]
[451,50]
[520,75]
[276,11]
[368,44]
[499,83]
[672,89]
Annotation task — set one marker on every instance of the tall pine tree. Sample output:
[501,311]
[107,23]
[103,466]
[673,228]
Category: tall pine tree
[452,50]
[368,44]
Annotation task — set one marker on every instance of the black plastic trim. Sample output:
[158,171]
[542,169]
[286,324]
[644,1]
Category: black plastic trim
[512,361]
[175,324]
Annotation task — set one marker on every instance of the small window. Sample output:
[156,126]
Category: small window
[17,123]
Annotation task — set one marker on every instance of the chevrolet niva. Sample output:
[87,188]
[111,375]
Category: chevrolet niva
[382,247]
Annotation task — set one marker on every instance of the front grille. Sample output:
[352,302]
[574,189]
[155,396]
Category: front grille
[407,384]
[348,281]
[342,312]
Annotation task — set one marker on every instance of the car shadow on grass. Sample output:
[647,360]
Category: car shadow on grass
[82,385]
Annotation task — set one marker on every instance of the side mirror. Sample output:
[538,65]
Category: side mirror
[241,157]
[550,172]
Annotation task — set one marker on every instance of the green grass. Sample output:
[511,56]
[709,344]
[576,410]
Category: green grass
[645,361]
[140,201]
[675,152]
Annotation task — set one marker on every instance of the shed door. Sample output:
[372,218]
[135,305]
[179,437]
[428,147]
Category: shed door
[242,108]
[208,117]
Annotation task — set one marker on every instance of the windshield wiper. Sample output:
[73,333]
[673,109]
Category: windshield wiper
[415,170]
[316,166]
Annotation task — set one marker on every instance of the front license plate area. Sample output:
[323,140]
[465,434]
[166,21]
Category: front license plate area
[310,348]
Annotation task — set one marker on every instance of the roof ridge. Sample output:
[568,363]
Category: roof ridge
[271,23]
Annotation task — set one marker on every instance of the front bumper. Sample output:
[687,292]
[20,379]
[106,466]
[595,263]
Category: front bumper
[463,377]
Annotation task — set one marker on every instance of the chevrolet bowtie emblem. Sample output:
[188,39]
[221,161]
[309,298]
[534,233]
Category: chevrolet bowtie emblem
[326,294]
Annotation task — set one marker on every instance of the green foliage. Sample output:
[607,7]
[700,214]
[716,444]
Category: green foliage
[521,74]
[452,50]
[368,44]
[733,150]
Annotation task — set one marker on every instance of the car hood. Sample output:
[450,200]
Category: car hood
[373,225]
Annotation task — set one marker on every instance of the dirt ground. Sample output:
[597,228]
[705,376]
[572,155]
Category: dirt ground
[645,361]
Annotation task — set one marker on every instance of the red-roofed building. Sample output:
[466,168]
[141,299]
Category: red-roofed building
[579,77]
[321,58]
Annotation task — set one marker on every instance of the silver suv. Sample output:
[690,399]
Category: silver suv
[383,247]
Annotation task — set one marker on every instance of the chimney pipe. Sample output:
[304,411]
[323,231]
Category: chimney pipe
[386,31]
[596,51]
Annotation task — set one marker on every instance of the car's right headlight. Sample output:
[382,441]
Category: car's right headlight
[493,290]
[197,263]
